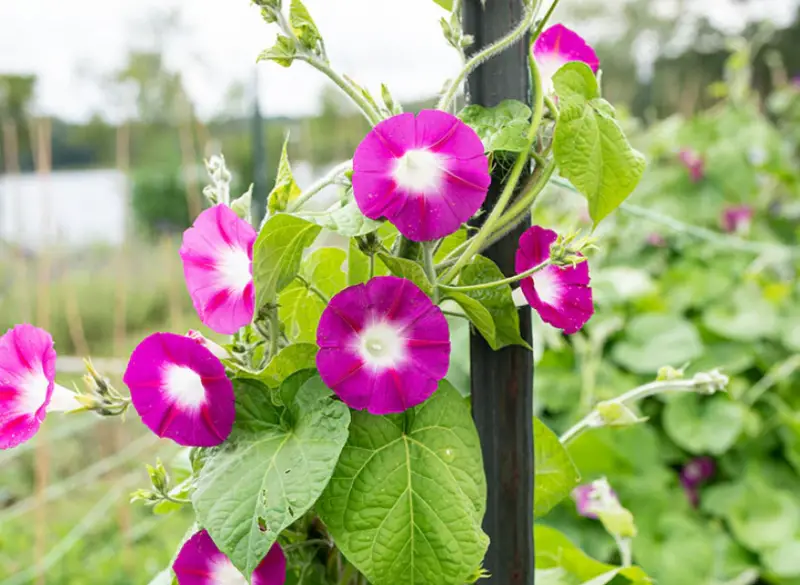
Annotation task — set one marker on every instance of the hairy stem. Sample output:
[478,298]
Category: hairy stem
[315,188]
[485,54]
[486,231]
[509,280]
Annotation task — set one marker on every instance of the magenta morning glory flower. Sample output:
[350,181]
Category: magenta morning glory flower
[736,219]
[384,345]
[556,47]
[560,294]
[200,562]
[426,174]
[217,254]
[27,384]
[212,346]
[180,390]
[693,162]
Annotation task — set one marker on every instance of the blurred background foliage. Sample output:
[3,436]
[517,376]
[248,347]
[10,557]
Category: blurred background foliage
[672,287]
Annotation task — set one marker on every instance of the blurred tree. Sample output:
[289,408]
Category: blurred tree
[16,102]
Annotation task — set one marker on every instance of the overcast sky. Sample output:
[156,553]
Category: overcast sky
[70,45]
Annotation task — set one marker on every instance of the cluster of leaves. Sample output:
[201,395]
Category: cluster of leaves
[672,293]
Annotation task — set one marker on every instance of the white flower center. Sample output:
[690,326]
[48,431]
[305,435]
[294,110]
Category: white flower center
[34,392]
[418,171]
[224,573]
[548,66]
[548,285]
[185,386]
[234,269]
[381,346]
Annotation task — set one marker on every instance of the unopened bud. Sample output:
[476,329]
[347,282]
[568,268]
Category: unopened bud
[241,206]
[616,414]
[710,382]
[216,349]
[668,374]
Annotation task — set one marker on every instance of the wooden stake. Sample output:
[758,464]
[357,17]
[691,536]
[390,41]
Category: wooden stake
[43,157]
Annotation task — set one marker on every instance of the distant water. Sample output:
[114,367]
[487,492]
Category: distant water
[65,208]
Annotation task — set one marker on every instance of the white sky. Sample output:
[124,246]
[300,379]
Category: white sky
[71,45]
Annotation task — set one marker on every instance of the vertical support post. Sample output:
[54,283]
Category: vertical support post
[260,188]
[502,381]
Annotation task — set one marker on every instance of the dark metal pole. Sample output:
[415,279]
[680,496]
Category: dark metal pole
[502,381]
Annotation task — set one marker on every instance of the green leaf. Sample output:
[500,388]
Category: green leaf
[303,25]
[357,265]
[282,52]
[745,316]
[555,475]
[285,190]
[576,81]
[554,550]
[496,301]
[446,4]
[277,254]
[502,127]
[449,244]
[589,146]
[346,220]
[271,470]
[300,308]
[409,270]
[407,499]
[291,359]
[655,340]
[703,424]
[763,518]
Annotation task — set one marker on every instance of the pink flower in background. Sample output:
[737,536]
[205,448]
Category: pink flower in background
[737,219]
[217,254]
[384,345]
[589,499]
[200,562]
[180,390]
[694,474]
[693,162]
[561,295]
[27,384]
[796,81]
[656,240]
[556,47]
[426,174]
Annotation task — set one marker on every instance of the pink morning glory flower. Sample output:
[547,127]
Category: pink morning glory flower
[27,384]
[560,294]
[693,162]
[180,390]
[200,562]
[426,174]
[384,345]
[217,254]
[737,219]
[558,46]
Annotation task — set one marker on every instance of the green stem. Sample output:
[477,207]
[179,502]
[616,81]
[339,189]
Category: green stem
[321,295]
[509,280]
[508,191]
[328,179]
[593,419]
[321,65]
[523,204]
[485,54]
[543,22]
[428,249]
[274,332]
[371,266]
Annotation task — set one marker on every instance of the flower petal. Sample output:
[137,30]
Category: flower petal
[217,254]
[384,345]
[426,174]
[200,562]
[561,295]
[180,390]
[27,374]
[556,47]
